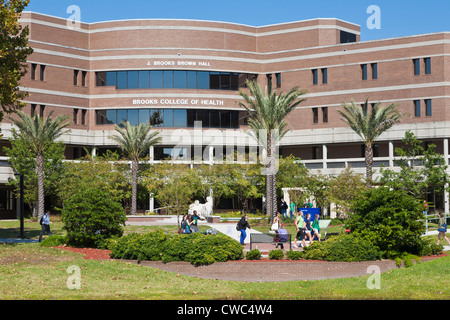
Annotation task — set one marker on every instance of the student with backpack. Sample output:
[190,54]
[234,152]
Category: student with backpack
[242,226]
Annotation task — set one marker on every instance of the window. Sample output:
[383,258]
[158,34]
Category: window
[278,76]
[364,71]
[180,79]
[133,80]
[427,62]
[156,79]
[325,114]
[144,79]
[122,80]
[83,117]
[315,76]
[315,115]
[168,79]
[83,78]
[416,63]
[33,71]
[269,80]
[33,110]
[75,116]
[42,75]
[347,37]
[42,111]
[428,108]
[417,108]
[315,153]
[374,70]
[324,75]
[75,77]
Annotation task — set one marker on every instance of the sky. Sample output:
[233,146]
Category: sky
[395,18]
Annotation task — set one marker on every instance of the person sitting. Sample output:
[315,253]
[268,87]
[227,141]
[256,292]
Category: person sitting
[282,237]
[186,224]
[276,224]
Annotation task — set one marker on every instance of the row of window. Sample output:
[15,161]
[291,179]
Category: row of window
[170,118]
[418,108]
[173,79]
[34,69]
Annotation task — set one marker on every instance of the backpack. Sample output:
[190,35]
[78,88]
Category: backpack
[238,227]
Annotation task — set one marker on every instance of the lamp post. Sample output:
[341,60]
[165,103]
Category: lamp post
[21,216]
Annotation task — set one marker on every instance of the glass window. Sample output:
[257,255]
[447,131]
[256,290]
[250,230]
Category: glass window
[100,79]
[214,80]
[156,79]
[429,112]
[315,115]
[235,81]
[225,81]
[133,117]
[168,79]
[203,116]
[374,71]
[325,114]
[215,119]
[99,115]
[278,76]
[122,79]
[111,78]
[417,108]
[234,119]
[179,118]
[191,80]
[315,76]
[144,116]
[191,118]
[416,63]
[144,79]
[122,116]
[168,118]
[111,116]
[179,79]
[203,80]
[427,65]
[364,71]
[325,76]
[133,80]
[156,118]
[347,37]
[225,119]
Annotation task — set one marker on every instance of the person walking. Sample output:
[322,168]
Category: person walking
[299,224]
[45,225]
[442,229]
[242,226]
[283,208]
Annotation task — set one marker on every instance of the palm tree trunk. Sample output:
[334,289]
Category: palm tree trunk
[271,184]
[369,163]
[134,170]
[41,192]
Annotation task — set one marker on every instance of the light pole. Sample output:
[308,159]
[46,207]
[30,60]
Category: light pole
[21,215]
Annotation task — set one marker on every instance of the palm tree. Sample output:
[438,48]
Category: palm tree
[267,121]
[135,140]
[39,134]
[369,126]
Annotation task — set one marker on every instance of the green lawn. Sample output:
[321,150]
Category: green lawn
[28,271]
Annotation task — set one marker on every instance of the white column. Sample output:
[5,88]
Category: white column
[324,156]
[391,154]
[152,154]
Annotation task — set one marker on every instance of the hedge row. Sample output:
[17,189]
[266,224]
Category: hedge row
[197,248]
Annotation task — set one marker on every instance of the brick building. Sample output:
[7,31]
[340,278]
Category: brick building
[173,73]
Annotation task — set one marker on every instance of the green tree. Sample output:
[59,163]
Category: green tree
[174,185]
[369,125]
[91,216]
[268,111]
[134,141]
[421,170]
[14,52]
[39,135]
[24,162]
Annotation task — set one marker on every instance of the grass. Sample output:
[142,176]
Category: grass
[31,272]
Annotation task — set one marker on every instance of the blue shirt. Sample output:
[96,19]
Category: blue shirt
[45,219]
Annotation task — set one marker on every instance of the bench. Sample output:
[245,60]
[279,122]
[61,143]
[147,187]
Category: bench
[268,238]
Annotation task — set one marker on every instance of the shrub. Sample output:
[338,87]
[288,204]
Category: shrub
[254,254]
[197,248]
[345,247]
[276,254]
[388,219]
[90,217]
[54,241]
[294,255]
